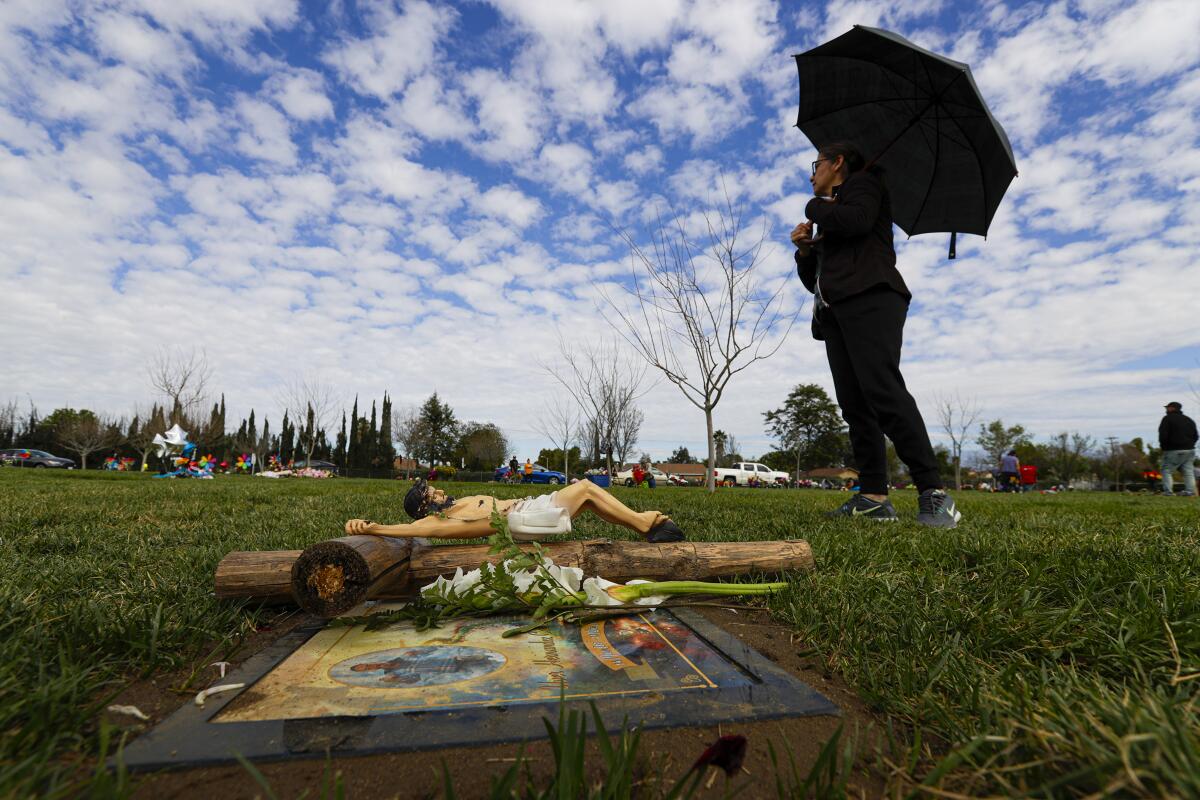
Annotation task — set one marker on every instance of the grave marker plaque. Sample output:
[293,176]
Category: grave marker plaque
[350,691]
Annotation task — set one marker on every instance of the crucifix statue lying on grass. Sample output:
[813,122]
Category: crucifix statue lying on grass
[437,516]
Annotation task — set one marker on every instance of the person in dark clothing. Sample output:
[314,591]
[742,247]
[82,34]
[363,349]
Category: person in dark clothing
[860,304]
[1177,438]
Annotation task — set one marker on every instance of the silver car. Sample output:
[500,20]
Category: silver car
[24,457]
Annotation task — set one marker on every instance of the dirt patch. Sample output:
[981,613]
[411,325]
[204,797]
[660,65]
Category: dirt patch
[160,696]
[665,754]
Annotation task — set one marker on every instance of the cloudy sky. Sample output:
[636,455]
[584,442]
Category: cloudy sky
[412,196]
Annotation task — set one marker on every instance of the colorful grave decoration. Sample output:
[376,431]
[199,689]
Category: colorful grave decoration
[115,464]
[277,469]
[185,461]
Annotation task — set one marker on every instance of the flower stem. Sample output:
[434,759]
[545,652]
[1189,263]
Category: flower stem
[639,590]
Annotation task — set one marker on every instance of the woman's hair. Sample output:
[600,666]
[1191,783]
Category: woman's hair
[853,158]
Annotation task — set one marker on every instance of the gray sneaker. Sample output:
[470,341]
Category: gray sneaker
[866,508]
[936,509]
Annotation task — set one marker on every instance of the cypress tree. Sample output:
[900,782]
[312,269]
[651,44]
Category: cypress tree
[372,443]
[387,449]
[340,455]
[285,441]
[353,455]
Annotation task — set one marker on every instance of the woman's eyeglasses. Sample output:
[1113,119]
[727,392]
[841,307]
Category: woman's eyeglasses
[818,161]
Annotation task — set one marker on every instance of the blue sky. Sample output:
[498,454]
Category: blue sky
[414,197]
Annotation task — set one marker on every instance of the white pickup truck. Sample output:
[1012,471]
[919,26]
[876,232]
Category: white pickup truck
[746,473]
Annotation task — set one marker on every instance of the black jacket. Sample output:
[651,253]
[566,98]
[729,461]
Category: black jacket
[1177,431]
[855,251]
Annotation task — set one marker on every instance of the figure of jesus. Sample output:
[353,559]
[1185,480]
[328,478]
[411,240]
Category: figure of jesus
[437,516]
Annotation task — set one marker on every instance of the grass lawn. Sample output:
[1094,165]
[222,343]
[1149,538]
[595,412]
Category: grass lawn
[1048,646]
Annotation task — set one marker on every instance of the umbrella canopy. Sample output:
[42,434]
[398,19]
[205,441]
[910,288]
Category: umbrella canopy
[919,116]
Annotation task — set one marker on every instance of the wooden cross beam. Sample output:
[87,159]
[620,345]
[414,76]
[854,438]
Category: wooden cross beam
[331,577]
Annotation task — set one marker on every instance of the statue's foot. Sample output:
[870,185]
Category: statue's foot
[665,531]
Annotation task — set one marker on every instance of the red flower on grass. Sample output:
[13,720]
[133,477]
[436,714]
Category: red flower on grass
[727,752]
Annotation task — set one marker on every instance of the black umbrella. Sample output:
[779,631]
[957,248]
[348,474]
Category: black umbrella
[917,115]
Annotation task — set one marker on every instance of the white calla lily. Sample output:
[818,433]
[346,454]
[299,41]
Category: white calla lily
[596,590]
[570,578]
[549,585]
[463,582]
[523,581]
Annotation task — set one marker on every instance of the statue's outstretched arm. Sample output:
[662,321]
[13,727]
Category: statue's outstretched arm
[431,527]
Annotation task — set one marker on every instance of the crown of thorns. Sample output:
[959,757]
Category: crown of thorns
[419,502]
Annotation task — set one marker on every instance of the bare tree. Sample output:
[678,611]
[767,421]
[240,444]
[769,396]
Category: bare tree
[409,432]
[700,313]
[87,433]
[182,377]
[10,420]
[560,423]
[626,431]
[312,402]
[605,386]
[957,416]
[1068,453]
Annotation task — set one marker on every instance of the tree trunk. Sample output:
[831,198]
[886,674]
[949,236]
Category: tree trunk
[710,482]
[332,577]
[958,473]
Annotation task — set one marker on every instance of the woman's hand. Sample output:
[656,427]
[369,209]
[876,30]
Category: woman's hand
[355,527]
[802,237]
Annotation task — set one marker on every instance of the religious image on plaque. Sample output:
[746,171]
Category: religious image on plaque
[350,671]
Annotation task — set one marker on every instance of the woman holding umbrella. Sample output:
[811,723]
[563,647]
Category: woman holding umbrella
[948,163]
[860,304]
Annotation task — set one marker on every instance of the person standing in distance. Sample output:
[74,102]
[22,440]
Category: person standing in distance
[1177,438]
[859,306]
[1010,471]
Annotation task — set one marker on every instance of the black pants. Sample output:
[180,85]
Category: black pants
[863,335]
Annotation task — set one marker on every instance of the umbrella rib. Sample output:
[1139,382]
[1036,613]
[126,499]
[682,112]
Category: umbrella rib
[855,105]
[947,134]
[891,78]
[937,149]
[982,183]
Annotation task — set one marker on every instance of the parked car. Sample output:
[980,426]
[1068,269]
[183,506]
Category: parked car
[540,475]
[316,463]
[748,473]
[23,457]
[625,476]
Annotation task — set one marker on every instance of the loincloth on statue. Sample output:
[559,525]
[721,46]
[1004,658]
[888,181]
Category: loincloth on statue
[530,518]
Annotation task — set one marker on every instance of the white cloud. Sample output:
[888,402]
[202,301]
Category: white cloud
[433,111]
[509,204]
[132,40]
[647,159]
[301,93]
[218,22]
[402,47]
[702,113]
[1145,41]
[727,42]
[510,115]
[265,134]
